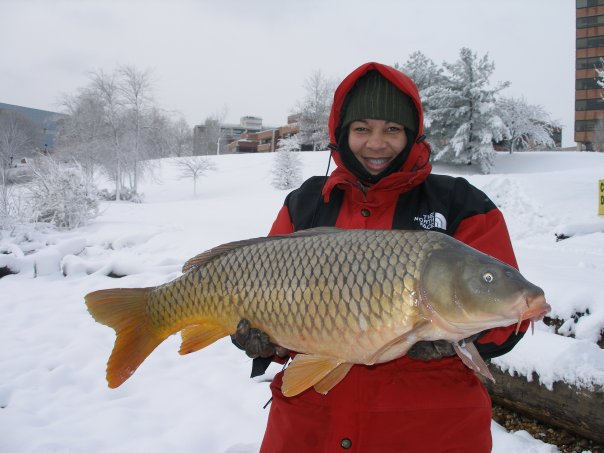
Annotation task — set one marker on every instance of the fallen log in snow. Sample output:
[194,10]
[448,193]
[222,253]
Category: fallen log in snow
[576,409]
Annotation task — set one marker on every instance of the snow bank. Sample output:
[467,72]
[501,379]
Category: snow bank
[53,392]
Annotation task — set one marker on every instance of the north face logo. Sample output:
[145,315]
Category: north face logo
[432,221]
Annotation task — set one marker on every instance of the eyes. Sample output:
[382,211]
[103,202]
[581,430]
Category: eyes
[488,277]
[388,129]
[391,129]
[394,129]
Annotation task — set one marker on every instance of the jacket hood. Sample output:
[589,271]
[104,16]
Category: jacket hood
[420,151]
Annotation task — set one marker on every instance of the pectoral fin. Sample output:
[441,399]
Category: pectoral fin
[199,336]
[400,345]
[307,370]
[471,358]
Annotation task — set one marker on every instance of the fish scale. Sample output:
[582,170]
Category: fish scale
[309,289]
[339,297]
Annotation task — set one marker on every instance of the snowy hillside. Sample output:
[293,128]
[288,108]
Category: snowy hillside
[53,394]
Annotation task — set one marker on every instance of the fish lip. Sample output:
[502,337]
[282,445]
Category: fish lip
[533,308]
[533,313]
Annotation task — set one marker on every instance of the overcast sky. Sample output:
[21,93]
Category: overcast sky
[251,57]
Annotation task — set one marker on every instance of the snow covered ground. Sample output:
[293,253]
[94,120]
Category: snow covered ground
[53,394]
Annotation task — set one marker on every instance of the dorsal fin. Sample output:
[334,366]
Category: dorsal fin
[209,255]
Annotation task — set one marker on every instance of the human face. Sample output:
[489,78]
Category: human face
[375,143]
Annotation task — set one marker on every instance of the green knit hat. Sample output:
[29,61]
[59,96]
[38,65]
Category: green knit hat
[374,97]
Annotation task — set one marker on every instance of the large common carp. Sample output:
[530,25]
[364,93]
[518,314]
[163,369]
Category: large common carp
[338,297]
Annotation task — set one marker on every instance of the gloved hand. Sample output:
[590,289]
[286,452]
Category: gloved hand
[434,350]
[255,342]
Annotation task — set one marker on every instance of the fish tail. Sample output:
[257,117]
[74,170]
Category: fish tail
[123,309]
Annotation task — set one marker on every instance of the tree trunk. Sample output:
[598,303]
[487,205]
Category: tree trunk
[118,182]
[573,408]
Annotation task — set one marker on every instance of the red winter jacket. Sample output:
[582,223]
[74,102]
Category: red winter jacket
[404,405]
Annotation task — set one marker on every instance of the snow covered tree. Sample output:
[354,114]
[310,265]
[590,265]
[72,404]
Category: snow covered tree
[287,166]
[82,135]
[105,88]
[464,117]
[600,74]
[208,136]
[527,125]
[428,77]
[13,208]
[61,194]
[598,135]
[157,140]
[423,71]
[211,135]
[113,123]
[16,140]
[314,111]
[194,167]
[181,138]
[135,89]
[598,130]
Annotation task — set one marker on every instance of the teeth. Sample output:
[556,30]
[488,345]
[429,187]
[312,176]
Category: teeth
[377,161]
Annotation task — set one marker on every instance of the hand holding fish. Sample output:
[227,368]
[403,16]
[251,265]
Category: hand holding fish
[434,350]
[255,342]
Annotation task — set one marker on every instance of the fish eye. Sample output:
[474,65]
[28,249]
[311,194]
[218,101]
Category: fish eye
[488,277]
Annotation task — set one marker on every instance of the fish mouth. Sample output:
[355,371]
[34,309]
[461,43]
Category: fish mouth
[532,308]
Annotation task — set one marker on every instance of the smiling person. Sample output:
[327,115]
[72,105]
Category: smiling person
[376,143]
[427,400]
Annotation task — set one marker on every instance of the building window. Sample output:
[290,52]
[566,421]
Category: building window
[589,125]
[588,43]
[590,63]
[589,104]
[587,84]
[590,21]
[589,3]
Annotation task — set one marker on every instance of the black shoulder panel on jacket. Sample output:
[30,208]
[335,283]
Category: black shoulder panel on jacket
[441,203]
[491,350]
[307,208]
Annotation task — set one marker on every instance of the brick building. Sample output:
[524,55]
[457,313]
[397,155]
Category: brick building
[589,105]
[249,136]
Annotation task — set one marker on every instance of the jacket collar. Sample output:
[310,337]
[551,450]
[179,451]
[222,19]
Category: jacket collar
[399,182]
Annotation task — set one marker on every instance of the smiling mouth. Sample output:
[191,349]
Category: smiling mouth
[375,164]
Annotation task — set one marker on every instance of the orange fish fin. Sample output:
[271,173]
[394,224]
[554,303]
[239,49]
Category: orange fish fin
[305,371]
[471,358]
[124,311]
[333,378]
[199,336]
